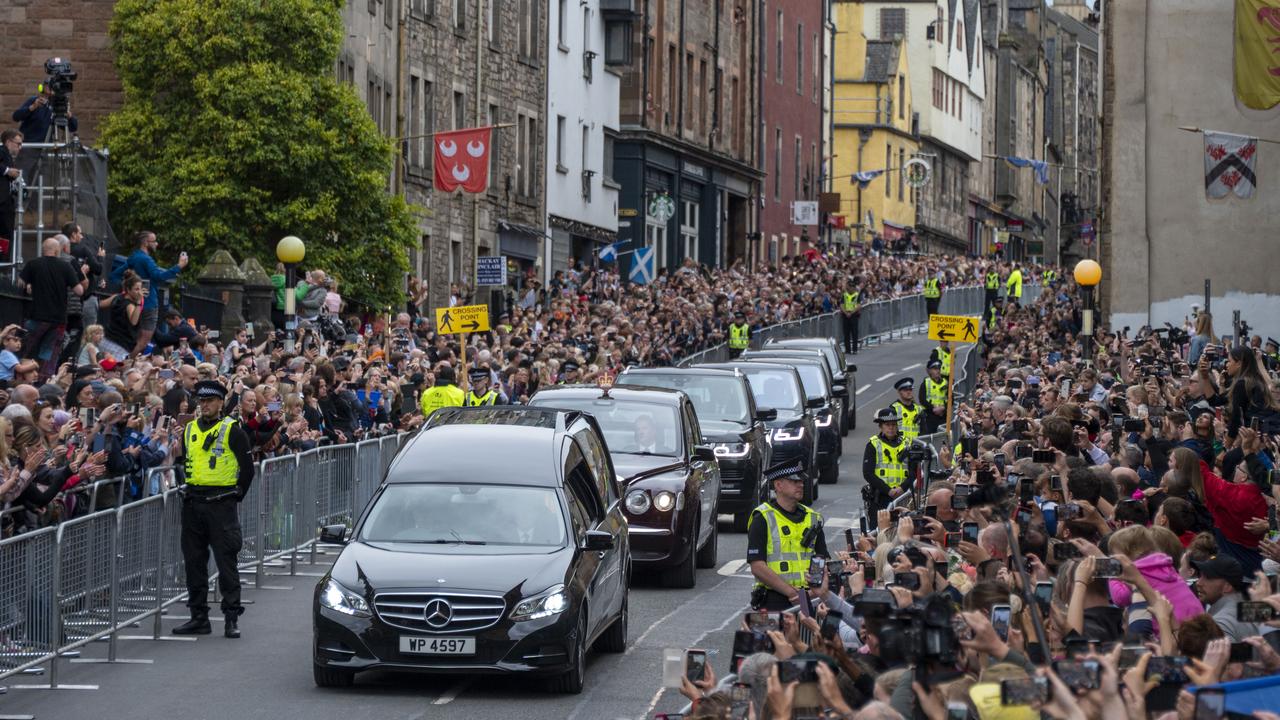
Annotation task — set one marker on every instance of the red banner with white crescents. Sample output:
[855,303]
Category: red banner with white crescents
[462,160]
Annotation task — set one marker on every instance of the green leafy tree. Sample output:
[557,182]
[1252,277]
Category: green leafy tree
[234,133]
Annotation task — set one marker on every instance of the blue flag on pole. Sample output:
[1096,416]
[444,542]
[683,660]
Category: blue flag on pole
[864,178]
[609,253]
[1041,167]
[643,262]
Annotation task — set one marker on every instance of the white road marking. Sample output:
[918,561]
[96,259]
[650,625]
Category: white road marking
[885,376]
[451,694]
[862,389]
[910,367]
[731,568]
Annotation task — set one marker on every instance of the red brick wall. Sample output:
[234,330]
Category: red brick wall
[32,31]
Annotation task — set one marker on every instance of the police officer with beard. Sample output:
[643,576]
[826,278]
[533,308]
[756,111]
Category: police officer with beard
[218,471]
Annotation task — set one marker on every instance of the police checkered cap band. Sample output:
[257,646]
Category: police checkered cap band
[778,472]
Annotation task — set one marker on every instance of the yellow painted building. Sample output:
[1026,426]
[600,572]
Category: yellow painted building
[872,114]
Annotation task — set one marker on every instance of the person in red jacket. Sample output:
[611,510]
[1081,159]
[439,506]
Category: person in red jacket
[1237,503]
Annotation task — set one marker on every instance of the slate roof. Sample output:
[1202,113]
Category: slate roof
[882,60]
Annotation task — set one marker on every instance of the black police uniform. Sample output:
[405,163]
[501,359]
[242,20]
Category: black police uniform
[210,520]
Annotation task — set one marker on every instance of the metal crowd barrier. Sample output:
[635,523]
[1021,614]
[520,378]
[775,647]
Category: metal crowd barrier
[880,321]
[91,577]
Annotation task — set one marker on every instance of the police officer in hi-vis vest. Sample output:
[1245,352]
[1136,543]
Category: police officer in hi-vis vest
[782,536]
[218,470]
[933,398]
[480,392]
[993,289]
[739,334]
[445,393]
[884,465]
[932,293]
[850,313]
[943,355]
[906,408]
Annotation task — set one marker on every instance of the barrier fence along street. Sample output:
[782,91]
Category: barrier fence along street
[90,577]
[94,576]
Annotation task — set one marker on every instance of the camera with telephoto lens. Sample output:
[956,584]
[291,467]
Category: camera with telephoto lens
[923,631]
[60,81]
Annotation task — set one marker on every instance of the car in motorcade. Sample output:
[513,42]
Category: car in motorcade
[670,481]
[792,432]
[731,424]
[843,373]
[495,544]
[818,398]
[836,392]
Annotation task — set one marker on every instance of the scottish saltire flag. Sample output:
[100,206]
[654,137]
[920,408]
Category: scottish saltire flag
[609,253]
[643,263]
[865,177]
[1041,167]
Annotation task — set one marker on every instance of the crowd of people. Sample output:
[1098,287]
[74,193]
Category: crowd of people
[98,382]
[1100,542]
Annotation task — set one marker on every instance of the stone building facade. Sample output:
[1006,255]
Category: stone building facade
[686,155]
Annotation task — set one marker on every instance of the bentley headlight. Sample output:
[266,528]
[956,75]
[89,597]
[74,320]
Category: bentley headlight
[664,501]
[638,502]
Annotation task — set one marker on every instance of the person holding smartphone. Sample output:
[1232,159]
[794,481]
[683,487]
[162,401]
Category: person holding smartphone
[780,560]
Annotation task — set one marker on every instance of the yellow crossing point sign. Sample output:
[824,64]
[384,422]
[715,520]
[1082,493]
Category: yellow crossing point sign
[956,328]
[462,319]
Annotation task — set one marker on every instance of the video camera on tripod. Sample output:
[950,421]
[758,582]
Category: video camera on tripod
[59,83]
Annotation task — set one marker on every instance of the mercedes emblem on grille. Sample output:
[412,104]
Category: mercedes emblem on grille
[438,613]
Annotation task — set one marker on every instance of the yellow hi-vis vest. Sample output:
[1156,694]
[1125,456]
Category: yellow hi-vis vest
[739,336]
[993,281]
[850,302]
[215,466]
[438,396]
[909,425]
[489,398]
[944,357]
[935,392]
[784,554]
[891,465]
[931,288]
[1049,276]
[1014,284]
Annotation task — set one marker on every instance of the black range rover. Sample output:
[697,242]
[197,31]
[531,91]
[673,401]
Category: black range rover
[731,424]
[496,544]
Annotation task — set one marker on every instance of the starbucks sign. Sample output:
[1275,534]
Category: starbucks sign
[661,208]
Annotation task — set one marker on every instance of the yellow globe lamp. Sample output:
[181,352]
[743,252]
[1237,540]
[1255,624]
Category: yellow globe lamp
[1088,273]
[290,250]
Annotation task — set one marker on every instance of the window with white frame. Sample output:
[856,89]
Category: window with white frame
[656,238]
[689,229]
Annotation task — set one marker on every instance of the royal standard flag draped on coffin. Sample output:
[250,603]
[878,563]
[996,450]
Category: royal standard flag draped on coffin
[1257,72]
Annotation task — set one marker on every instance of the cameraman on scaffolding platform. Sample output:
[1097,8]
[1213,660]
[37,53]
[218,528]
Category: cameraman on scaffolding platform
[36,116]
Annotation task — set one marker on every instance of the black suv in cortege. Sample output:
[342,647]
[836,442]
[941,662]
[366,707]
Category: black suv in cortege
[730,423]
[496,544]
[792,431]
[844,373]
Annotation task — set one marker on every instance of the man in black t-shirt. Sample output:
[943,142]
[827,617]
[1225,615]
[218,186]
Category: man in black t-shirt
[46,280]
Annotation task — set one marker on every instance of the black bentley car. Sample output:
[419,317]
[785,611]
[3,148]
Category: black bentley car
[792,432]
[731,424]
[671,481]
[843,373]
[495,544]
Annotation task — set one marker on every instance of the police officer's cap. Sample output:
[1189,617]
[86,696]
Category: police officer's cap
[905,383]
[1272,342]
[785,471]
[887,415]
[739,314]
[934,365]
[478,373]
[210,389]
[570,366]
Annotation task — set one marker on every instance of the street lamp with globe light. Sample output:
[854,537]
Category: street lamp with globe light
[290,251]
[1088,274]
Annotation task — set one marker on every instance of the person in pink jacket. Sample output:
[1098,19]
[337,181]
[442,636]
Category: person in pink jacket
[1157,569]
